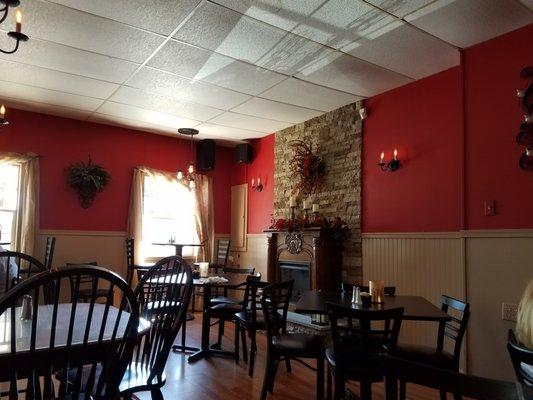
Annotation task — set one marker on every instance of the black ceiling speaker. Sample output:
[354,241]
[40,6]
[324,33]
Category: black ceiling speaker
[244,153]
[205,155]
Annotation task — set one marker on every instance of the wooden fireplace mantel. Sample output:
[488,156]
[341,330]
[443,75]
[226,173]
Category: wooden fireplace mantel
[321,247]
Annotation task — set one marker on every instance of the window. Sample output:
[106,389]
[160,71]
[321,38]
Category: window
[9,189]
[168,213]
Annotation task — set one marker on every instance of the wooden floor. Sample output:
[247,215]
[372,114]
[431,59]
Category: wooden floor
[221,378]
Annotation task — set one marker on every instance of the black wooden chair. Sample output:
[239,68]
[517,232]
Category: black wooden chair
[17,267]
[522,359]
[133,270]
[91,343]
[225,298]
[226,312]
[282,346]
[453,330]
[348,288]
[251,319]
[473,387]
[85,291]
[49,252]
[358,346]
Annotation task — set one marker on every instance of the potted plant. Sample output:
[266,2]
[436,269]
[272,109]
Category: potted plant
[87,179]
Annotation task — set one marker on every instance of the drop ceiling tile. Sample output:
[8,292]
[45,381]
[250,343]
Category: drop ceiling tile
[465,23]
[527,3]
[44,108]
[50,79]
[227,32]
[171,85]
[131,124]
[164,104]
[305,94]
[248,122]
[141,114]
[67,59]
[34,94]
[53,22]
[407,50]
[292,54]
[160,16]
[282,14]
[339,22]
[199,64]
[346,73]
[212,131]
[400,8]
[277,111]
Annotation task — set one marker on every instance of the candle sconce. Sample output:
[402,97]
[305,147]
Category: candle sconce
[392,165]
[3,120]
[258,187]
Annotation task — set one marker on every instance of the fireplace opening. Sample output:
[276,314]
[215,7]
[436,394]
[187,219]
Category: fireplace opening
[300,272]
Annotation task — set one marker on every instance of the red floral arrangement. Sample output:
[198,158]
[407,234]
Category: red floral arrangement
[308,166]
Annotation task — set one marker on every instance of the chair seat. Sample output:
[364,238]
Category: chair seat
[245,320]
[358,369]
[225,311]
[299,344]
[226,300]
[425,355]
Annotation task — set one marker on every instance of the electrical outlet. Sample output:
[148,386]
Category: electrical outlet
[509,311]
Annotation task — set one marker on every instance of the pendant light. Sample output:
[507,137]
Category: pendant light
[188,178]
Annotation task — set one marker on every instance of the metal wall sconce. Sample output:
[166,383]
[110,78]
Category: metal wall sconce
[392,165]
[3,120]
[258,187]
[16,34]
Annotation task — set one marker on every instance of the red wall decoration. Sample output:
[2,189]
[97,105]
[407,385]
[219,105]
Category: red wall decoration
[61,141]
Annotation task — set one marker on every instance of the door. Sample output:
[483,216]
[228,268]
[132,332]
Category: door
[239,217]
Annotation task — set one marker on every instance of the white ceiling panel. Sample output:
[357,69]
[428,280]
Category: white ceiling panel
[70,60]
[212,131]
[339,22]
[528,4]
[465,23]
[248,122]
[305,94]
[81,30]
[160,16]
[141,114]
[292,54]
[131,124]
[400,8]
[199,64]
[55,80]
[227,32]
[277,111]
[404,49]
[44,108]
[280,13]
[346,73]
[171,85]
[164,104]
[34,94]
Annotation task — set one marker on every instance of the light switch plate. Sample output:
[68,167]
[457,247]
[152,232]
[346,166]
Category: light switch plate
[489,208]
[509,311]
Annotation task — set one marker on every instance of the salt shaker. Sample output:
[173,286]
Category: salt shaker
[356,295]
[27,305]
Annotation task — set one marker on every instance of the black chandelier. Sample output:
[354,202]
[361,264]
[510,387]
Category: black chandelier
[16,34]
[188,178]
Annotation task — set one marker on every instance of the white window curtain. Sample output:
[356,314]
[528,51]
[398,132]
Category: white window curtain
[203,211]
[27,215]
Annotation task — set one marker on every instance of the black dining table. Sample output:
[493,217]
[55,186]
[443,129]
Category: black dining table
[416,308]
[233,281]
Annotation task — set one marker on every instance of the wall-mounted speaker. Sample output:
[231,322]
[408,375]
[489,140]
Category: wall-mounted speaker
[244,153]
[205,155]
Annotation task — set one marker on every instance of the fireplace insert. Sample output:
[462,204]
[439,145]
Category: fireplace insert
[299,272]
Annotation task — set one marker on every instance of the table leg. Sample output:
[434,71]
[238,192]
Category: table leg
[179,250]
[204,351]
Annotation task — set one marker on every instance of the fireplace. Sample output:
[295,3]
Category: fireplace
[299,271]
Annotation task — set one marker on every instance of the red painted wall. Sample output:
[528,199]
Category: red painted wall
[61,141]
[492,118]
[260,204]
[423,121]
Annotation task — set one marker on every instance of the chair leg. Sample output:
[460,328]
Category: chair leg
[443,395]
[328,383]
[457,397]
[403,390]
[266,379]
[244,348]
[366,390]
[288,365]
[156,394]
[220,333]
[340,388]
[236,341]
[273,373]
[253,349]
[320,378]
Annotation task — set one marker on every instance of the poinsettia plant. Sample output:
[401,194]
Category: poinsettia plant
[308,166]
